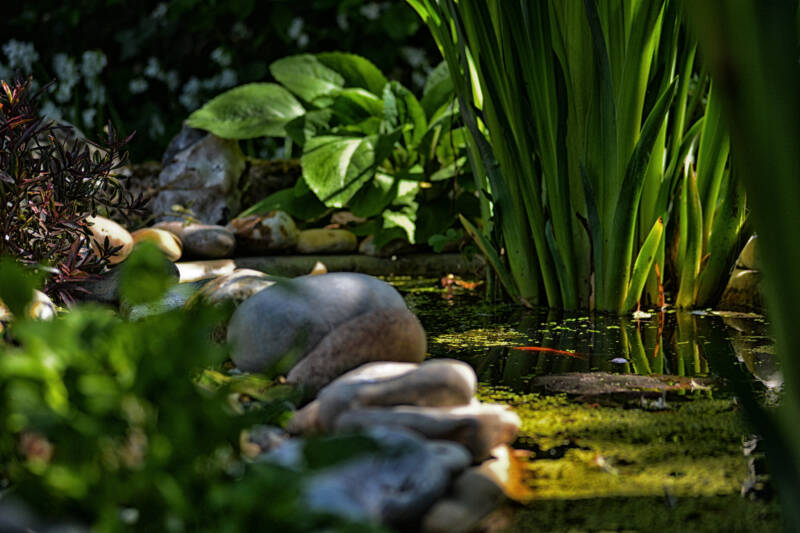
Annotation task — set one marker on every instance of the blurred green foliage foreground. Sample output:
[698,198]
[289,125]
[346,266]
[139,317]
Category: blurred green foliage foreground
[103,421]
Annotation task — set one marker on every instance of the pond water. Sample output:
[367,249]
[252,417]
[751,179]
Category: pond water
[605,452]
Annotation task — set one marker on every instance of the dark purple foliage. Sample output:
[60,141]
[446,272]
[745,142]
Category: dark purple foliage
[48,189]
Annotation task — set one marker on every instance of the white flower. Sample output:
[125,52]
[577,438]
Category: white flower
[295,28]
[153,68]
[341,21]
[413,56]
[50,111]
[188,97]
[156,128]
[240,31]
[302,41]
[371,11]
[172,80]
[138,85]
[159,11]
[5,73]
[88,117]
[20,55]
[93,62]
[221,57]
[96,93]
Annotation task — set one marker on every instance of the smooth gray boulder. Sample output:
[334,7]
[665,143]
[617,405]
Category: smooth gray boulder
[434,383]
[202,178]
[338,320]
[393,486]
[479,427]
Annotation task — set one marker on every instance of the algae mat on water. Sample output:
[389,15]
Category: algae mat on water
[624,468]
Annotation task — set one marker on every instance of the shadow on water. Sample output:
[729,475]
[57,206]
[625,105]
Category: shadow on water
[510,345]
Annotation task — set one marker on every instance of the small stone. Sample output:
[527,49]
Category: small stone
[103,228]
[748,259]
[435,383]
[261,439]
[326,241]
[479,427]
[318,269]
[202,240]
[204,270]
[743,291]
[41,307]
[235,287]
[166,241]
[367,247]
[258,234]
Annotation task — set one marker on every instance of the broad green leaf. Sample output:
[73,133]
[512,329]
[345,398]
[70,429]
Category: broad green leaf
[248,111]
[438,90]
[405,218]
[355,70]
[401,107]
[309,125]
[355,105]
[374,196]
[335,168]
[307,77]
[302,207]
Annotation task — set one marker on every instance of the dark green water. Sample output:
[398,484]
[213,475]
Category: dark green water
[462,326]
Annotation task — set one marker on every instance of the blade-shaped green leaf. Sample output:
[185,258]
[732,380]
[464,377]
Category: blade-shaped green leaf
[248,111]
[307,77]
[620,247]
[690,268]
[494,259]
[643,264]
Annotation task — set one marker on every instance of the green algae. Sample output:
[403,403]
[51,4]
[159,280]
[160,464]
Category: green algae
[694,448]
[728,514]
[617,468]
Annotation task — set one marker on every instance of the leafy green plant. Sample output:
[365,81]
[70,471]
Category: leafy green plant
[161,60]
[367,144]
[113,424]
[568,106]
[751,50]
[49,190]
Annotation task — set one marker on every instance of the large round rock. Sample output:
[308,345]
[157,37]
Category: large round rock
[336,321]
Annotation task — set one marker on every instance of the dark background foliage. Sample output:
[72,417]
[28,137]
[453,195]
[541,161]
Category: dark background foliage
[167,58]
